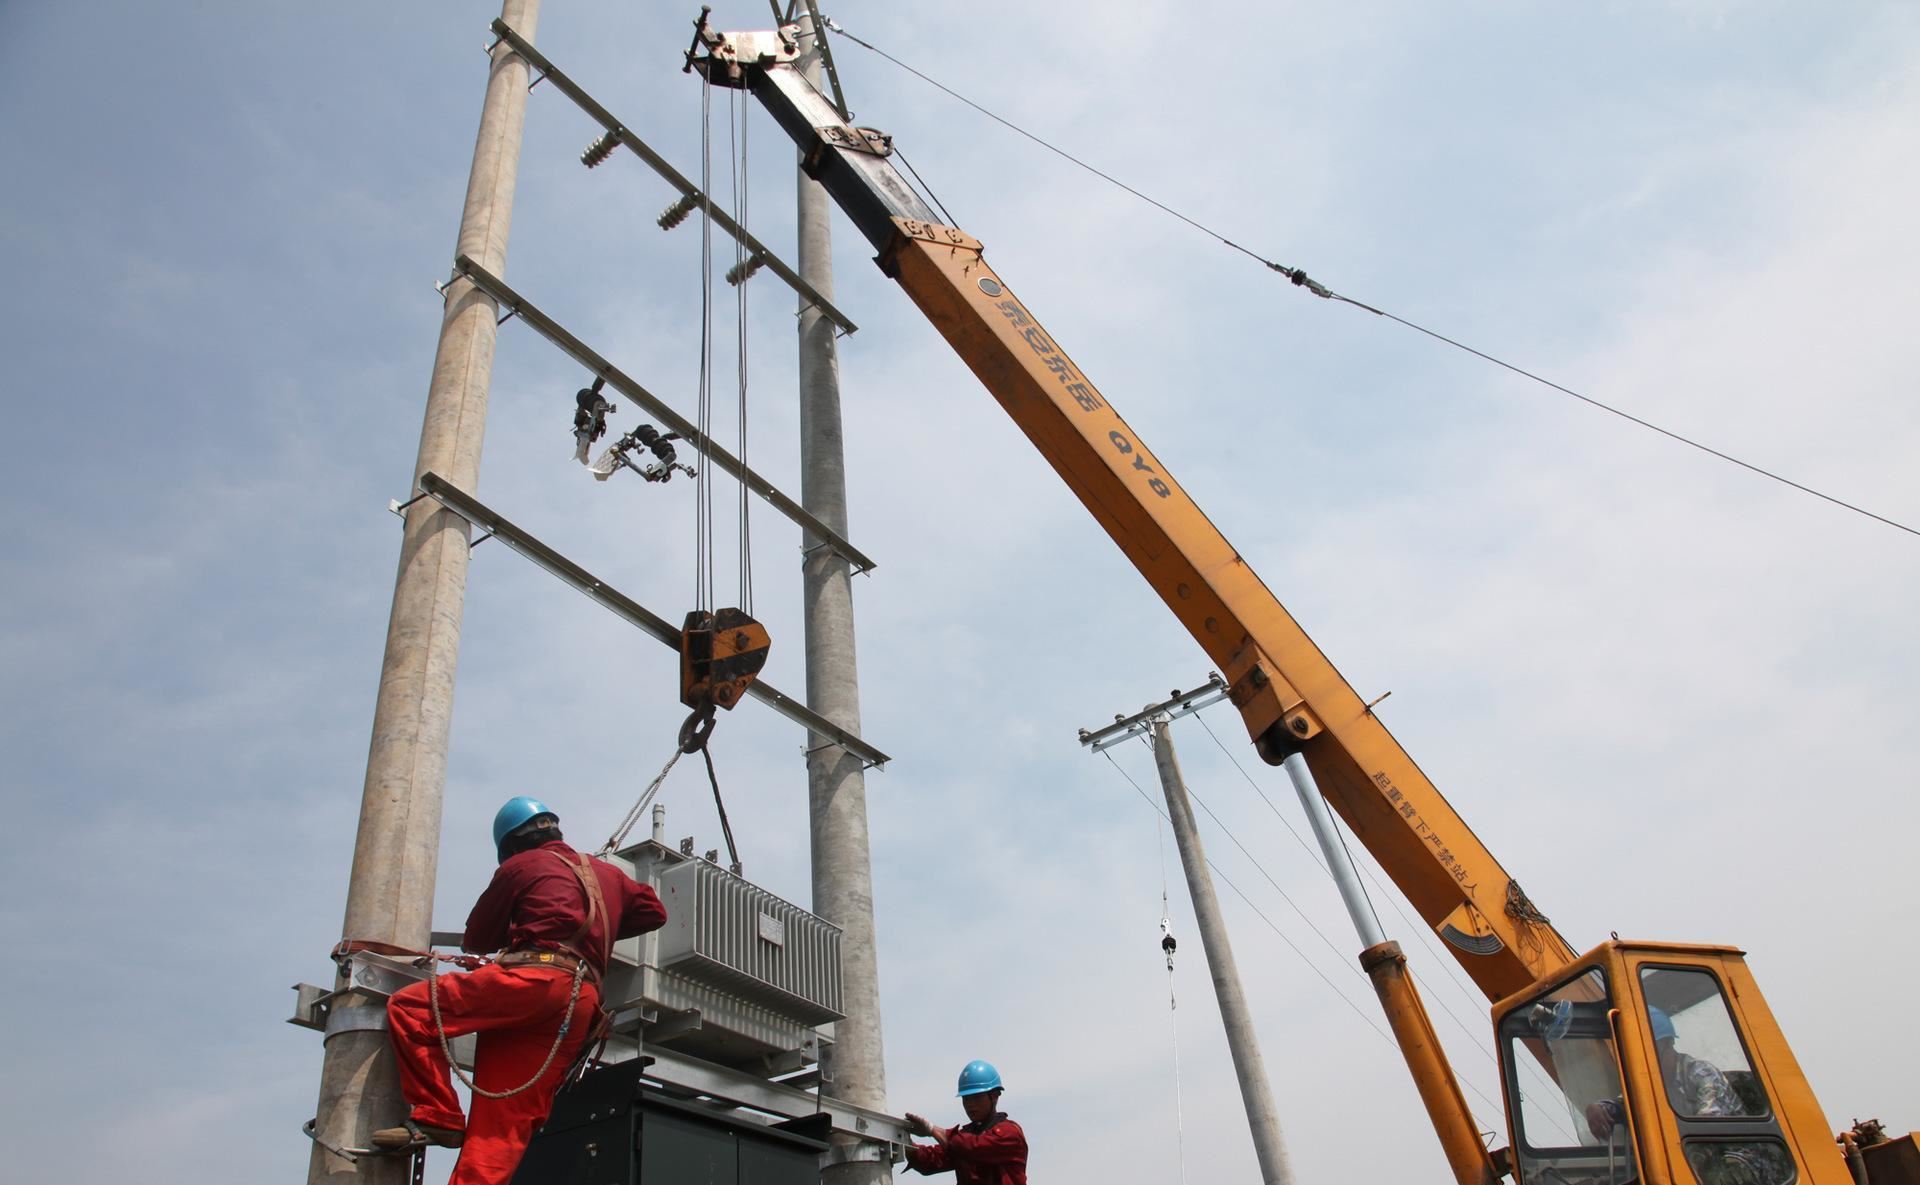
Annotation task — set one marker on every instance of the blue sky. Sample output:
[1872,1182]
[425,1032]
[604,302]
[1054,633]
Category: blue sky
[1675,699]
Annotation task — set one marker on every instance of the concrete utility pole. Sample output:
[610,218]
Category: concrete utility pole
[396,852]
[1262,1119]
[854,1068]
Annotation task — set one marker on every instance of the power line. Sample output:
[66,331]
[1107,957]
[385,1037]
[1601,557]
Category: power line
[1294,274]
[1649,425]
[1271,925]
[1258,912]
[1420,930]
[1301,279]
[1472,1035]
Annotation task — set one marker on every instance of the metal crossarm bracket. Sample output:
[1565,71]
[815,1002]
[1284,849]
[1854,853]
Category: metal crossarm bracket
[550,329]
[1183,703]
[658,164]
[480,515]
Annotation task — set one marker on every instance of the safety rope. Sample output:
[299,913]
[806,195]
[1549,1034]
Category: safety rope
[427,959]
[352,946]
[693,736]
[559,1038]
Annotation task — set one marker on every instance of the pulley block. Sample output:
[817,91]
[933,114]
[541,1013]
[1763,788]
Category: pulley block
[720,654]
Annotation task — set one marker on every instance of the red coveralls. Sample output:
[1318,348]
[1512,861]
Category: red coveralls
[534,903]
[991,1152]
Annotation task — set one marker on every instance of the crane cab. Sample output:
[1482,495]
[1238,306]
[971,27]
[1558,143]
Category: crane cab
[1657,1063]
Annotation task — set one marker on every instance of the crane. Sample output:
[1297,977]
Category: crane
[1597,1090]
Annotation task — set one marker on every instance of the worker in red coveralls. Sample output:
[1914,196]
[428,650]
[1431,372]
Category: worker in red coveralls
[555,913]
[989,1149]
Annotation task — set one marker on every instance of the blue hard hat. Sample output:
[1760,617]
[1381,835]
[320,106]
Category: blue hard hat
[1662,1024]
[518,811]
[978,1078]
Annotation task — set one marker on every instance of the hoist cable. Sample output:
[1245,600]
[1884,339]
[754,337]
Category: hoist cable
[619,836]
[639,808]
[737,133]
[719,805]
[934,197]
[1301,279]
[703,414]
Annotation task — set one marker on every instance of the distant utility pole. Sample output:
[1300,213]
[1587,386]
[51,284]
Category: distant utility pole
[395,854]
[854,1067]
[1262,1118]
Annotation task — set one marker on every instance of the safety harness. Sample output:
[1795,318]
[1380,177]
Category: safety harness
[585,964]
[582,962]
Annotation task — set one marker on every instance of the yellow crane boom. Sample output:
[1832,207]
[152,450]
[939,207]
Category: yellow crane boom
[1598,1090]
[1290,697]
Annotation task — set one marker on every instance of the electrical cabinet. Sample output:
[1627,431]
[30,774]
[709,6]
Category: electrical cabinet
[610,1129]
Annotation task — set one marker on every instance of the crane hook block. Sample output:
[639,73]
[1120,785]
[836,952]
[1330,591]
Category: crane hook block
[720,654]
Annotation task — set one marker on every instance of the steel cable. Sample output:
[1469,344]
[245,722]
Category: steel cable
[1301,279]
[1420,929]
[1281,934]
[744,525]
[703,413]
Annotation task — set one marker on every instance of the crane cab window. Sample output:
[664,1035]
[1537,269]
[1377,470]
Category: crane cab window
[1562,1080]
[1703,1063]
[1726,1125]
